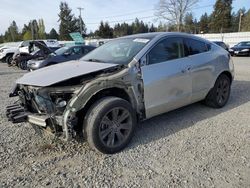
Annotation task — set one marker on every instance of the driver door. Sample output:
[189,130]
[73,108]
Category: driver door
[166,77]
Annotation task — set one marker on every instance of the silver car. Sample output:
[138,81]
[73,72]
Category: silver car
[125,81]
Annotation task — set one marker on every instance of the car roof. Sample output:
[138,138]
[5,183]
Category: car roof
[162,34]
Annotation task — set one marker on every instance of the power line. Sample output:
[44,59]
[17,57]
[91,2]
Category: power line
[120,15]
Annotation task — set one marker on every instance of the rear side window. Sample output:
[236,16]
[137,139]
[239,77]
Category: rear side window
[167,49]
[193,47]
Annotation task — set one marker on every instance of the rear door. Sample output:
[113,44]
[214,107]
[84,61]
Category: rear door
[167,82]
[201,62]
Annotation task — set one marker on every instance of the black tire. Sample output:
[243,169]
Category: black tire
[220,93]
[23,65]
[103,131]
[9,59]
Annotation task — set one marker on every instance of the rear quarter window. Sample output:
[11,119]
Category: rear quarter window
[193,47]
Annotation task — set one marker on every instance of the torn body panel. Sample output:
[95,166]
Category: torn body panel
[56,106]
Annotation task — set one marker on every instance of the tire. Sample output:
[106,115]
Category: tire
[220,93]
[23,65]
[9,59]
[109,125]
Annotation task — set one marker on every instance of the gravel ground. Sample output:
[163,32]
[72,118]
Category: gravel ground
[194,146]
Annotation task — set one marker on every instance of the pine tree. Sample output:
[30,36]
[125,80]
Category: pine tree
[204,22]
[12,33]
[68,22]
[53,34]
[104,31]
[221,16]
[189,23]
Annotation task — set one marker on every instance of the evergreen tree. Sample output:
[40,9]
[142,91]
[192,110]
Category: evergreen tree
[221,16]
[104,31]
[189,23]
[12,33]
[53,34]
[204,22]
[68,22]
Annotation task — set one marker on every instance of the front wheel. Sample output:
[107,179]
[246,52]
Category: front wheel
[110,124]
[9,59]
[219,94]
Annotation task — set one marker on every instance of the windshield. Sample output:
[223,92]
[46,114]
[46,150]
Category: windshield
[244,44]
[118,51]
[61,51]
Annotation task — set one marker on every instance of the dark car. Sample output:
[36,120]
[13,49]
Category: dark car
[221,44]
[61,55]
[39,51]
[243,48]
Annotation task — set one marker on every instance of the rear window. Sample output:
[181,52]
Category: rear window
[193,47]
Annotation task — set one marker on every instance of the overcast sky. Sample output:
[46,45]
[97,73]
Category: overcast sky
[94,11]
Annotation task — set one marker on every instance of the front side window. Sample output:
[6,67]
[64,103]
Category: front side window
[193,47]
[75,50]
[168,49]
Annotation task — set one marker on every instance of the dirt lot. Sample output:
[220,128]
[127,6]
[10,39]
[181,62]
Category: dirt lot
[195,146]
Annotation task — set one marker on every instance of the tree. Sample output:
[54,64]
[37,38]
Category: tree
[53,34]
[204,22]
[104,31]
[12,33]
[174,11]
[1,39]
[68,22]
[41,29]
[27,35]
[189,23]
[81,26]
[221,16]
[246,21]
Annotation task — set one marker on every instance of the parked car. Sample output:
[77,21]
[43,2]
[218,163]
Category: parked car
[40,52]
[10,49]
[61,55]
[7,51]
[242,48]
[124,81]
[222,44]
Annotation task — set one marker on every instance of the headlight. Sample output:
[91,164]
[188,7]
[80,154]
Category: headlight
[245,50]
[231,50]
[2,50]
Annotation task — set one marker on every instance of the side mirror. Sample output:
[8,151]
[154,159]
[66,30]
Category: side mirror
[143,61]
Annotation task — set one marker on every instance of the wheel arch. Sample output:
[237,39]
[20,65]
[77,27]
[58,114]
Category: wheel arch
[105,92]
[228,74]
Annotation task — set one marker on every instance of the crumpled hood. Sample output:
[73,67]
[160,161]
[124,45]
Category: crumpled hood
[63,71]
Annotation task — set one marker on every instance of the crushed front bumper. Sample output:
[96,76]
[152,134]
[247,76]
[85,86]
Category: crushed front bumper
[18,114]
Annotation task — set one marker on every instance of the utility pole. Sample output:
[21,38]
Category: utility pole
[241,14]
[80,18]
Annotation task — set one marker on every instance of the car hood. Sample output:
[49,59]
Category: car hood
[240,47]
[57,73]
[43,47]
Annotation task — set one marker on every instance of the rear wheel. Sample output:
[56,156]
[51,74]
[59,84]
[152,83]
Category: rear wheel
[219,94]
[109,125]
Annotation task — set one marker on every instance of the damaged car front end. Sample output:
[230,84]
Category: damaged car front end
[59,104]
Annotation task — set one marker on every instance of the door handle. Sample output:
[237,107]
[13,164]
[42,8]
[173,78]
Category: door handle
[186,69]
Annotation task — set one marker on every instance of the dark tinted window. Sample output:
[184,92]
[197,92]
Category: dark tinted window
[193,47]
[166,50]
